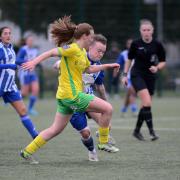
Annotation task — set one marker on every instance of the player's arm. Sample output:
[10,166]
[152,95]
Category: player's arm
[56,65]
[8,66]
[120,61]
[30,65]
[127,66]
[125,72]
[21,56]
[162,59]
[102,92]
[99,85]
[97,68]
[5,66]
[161,65]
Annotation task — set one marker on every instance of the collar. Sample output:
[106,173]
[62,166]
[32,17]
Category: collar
[91,61]
[6,45]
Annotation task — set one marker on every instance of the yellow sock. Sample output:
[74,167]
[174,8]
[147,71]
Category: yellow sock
[37,143]
[103,135]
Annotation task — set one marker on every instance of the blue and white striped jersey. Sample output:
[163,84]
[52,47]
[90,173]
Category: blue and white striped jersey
[123,57]
[7,76]
[25,54]
[90,79]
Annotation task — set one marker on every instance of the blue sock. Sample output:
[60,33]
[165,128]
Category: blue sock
[133,107]
[124,109]
[29,125]
[89,143]
[32,101]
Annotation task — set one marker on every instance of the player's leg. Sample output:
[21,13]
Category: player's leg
[105,109]
[132,101]
[88,142]
[25,90]
[125,104]
[60,122]
[140,87]
[96,117]
[23,79]
[145,103]
[79,122]
[148,117]
[15,99]
[34,86]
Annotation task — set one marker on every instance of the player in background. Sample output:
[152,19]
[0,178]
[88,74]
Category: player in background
[8,88]
[28,80]
[149,58]
[130,97]
[72,40]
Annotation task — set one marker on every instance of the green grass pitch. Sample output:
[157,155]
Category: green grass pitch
[65,158]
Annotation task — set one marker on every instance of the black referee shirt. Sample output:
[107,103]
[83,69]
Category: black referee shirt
[145,55]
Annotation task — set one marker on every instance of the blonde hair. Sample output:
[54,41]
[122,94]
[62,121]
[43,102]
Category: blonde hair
[145,21]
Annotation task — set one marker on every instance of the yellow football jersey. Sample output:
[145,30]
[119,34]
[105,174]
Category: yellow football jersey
[74,61]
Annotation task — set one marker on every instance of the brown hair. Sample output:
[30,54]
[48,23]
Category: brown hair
[2,29]
[64,30]
[99,38]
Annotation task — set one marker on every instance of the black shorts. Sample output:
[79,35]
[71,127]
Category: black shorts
[140,82]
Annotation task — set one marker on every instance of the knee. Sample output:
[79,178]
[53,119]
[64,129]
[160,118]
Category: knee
[85,133]
[109,109]
[22,111]
[147,104]
[24,93]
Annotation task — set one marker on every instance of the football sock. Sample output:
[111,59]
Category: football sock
[140,120]
[148,118]
[124,109]
[28,124]
[32,101]
[36,144]
[88,143]
[103,135]
[133,107]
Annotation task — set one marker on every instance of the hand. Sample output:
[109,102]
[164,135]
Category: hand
[153,69]
[116,66]
[124,81]
[56,65]
[30,65]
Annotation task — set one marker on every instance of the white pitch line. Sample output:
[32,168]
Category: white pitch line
[155,118]
[131,128]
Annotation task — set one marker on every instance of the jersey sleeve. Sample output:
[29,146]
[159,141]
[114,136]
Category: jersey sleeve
[121,61]
[132,50]
[99,80]
[161,53]
[1,55]
[67,50]
[21,56]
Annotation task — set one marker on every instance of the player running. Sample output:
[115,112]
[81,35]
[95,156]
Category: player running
[8,88]
[72,40]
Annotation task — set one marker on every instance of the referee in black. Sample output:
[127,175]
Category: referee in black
[149,58]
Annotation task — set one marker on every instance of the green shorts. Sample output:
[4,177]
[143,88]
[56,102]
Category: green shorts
[70,106]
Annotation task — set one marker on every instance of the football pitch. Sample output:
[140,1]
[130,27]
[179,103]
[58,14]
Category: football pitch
[65,158]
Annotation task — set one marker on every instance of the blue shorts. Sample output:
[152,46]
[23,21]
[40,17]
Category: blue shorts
[129,85]
[26,79]
[79,121]
[10,97]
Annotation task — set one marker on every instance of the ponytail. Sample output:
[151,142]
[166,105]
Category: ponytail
[64,31]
